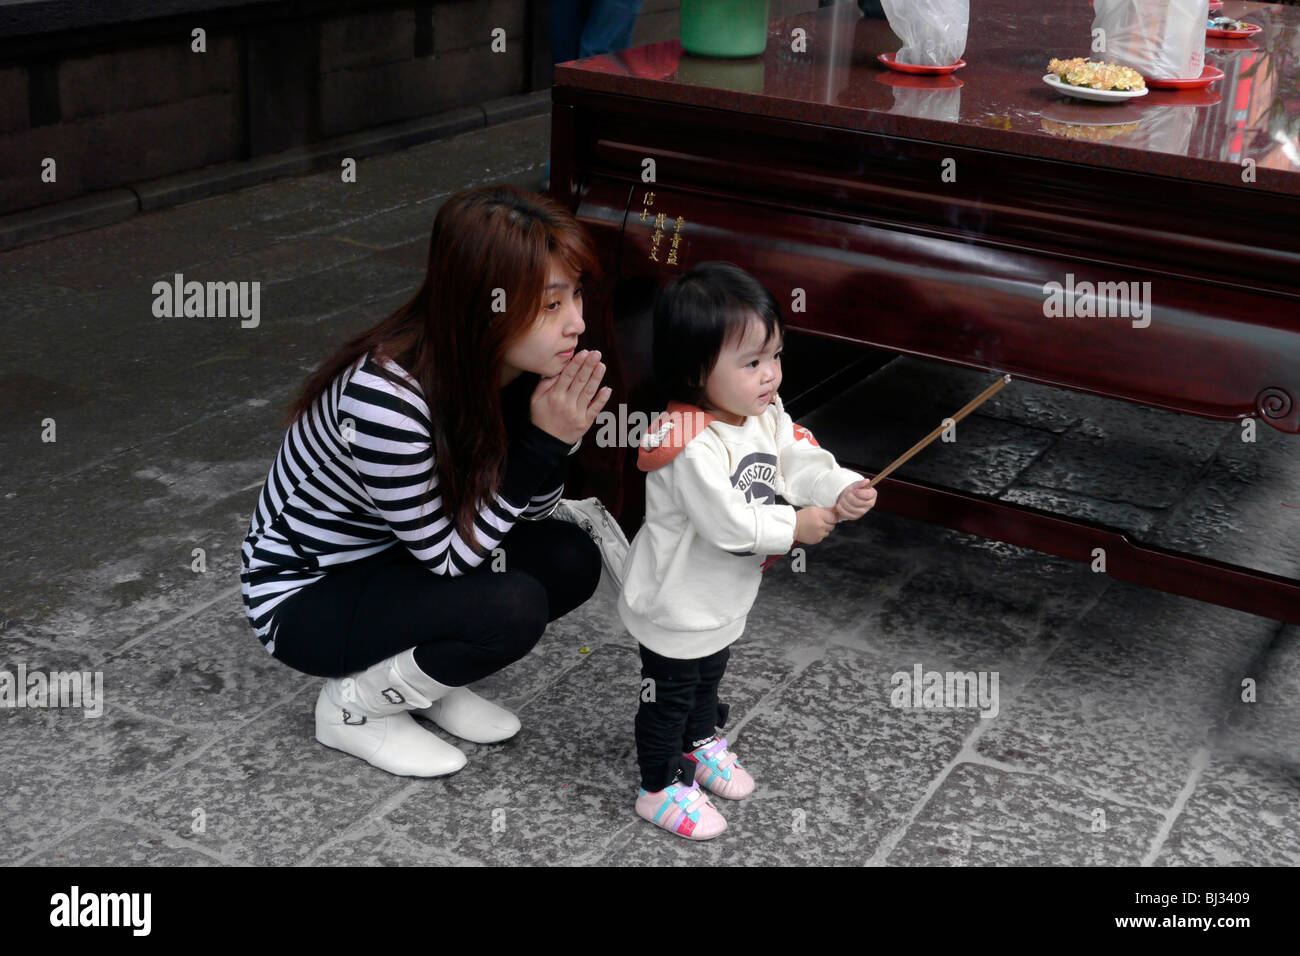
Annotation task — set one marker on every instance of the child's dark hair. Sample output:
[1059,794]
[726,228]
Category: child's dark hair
[696,314]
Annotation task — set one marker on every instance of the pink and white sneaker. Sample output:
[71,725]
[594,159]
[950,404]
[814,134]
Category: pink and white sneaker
[717,768]
[680,809]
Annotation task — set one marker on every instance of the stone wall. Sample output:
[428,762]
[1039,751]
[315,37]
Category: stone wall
[134,103]
[122,102]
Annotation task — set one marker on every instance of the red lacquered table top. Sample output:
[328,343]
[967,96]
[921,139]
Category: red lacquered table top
[999,102]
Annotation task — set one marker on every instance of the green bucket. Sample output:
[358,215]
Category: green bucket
[724,27]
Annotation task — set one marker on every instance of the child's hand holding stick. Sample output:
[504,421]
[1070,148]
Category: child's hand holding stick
[857,499]
[813,524]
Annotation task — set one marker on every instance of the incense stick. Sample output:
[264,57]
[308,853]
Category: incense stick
[970,406]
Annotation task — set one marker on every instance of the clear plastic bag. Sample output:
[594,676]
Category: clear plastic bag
[937,104]
[1164,39]
[933,31]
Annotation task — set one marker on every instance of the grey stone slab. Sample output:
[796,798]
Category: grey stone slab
[836,770]
[13,99]
[73,215]
[194,489]
[148,247]
[149,585]
[909,383]
[796,612]
[579,728]
[511,108]
[773,644]
[358,98]
[166,433]
[120,80]
[842,578]
[257,217]
[268,791]
[91,338]
[1134,689]
[376,844]
[463,24]
[220,178]
[533,821]
[1264,721]
[388,184]
[985,456]
[564,645]
[115,843]
[377,36]
[1244,506]
[22,160]
[880,579]
[35,17]
[208,672]
[197,367]
[887,538]
[1143,456]
[1123,517]
[111,150]
[972,604]
[384,140]
[576,755]
[985,816]
[1242,813]
[61,766]
[1108,450]
[197,131]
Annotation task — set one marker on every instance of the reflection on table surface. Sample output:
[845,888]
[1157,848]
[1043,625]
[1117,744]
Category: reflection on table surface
[1253,113]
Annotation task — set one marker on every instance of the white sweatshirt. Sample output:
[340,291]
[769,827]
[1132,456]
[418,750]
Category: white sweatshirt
[695,564]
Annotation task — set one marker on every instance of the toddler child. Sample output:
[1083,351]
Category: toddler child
[716,461]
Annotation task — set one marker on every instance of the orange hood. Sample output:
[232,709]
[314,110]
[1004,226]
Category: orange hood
[669,433]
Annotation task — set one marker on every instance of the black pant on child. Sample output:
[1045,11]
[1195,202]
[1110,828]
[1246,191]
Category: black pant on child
[463,628]
[679,708]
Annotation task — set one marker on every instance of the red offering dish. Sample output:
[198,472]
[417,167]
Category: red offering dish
[1197,97]
[1248,29]
[906,81]
[893,64]
[1216,4]
[1208,76]
[1231,46]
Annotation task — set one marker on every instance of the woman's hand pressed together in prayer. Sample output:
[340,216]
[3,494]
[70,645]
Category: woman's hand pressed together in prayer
[565,405]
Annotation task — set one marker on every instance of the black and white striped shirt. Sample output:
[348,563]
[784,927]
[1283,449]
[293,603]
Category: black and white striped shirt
[350,477]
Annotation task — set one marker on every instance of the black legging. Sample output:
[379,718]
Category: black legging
[462,628]
[679,707]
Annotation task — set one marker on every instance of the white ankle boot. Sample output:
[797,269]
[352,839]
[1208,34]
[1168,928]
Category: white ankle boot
[467,715]
[367,715]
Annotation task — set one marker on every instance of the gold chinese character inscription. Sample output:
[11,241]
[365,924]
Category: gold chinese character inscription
[648,200]
[677,238]
[660,224]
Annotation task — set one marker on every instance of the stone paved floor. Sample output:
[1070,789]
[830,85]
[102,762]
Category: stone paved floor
[1119,738]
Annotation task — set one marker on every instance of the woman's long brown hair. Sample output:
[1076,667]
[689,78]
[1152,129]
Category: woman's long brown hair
[452,342]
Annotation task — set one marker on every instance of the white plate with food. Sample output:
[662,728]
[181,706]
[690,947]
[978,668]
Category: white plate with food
[1089,93]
